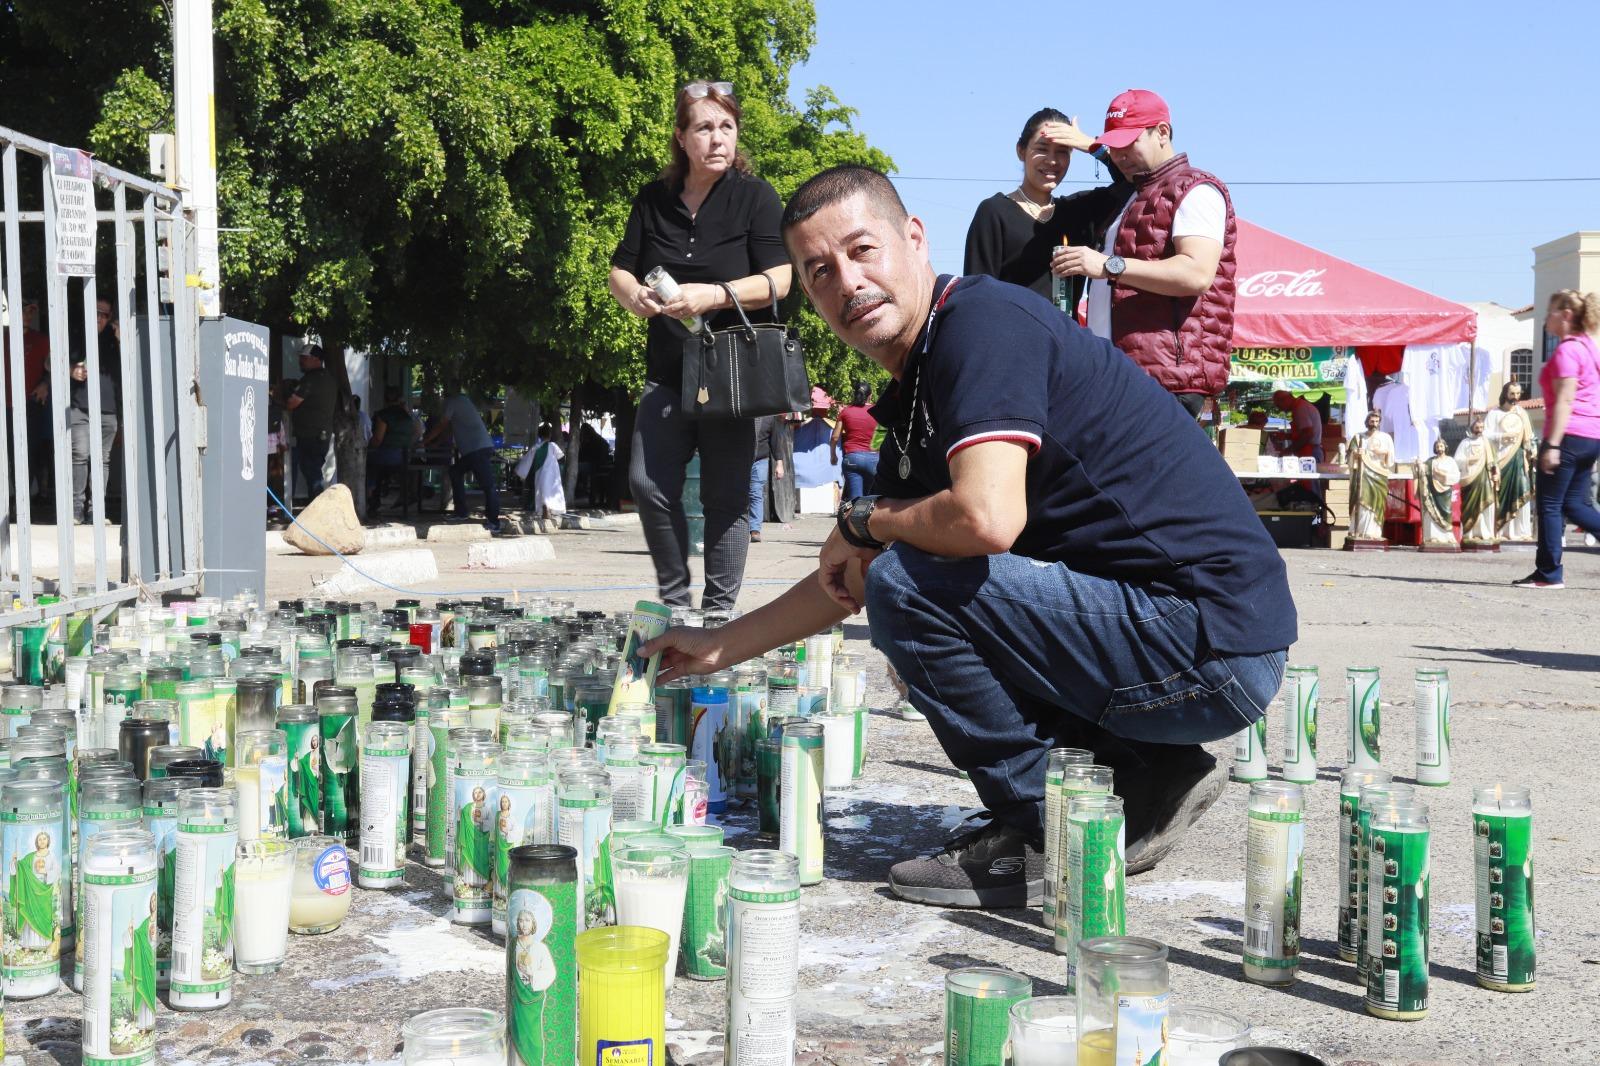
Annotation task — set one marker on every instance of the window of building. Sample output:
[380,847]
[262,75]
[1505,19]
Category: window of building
[1522,369]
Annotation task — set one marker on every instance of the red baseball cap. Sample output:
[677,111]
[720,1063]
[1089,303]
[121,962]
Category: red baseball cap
[1130,114]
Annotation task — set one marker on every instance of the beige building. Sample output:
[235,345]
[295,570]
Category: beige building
[1570,262]
[1506,340]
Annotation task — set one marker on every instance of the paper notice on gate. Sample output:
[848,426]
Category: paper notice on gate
[73,188]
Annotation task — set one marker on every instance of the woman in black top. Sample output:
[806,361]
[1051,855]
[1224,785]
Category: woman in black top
[707,219]
[1012,234]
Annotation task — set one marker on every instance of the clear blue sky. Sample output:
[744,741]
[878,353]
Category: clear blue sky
[1287,91]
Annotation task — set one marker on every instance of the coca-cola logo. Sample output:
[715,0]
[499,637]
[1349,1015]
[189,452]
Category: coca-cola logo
[1288,283]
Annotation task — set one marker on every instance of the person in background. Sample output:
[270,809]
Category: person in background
[1256,419]
[814,462]
[311,407]
[36,385]
[855,430]
[768,461]
[1305,424]
[276,445]
[474,453]
[394,431]
[544,495]
[363,420]
[708,222]
[1161,284]
[79,428]
[1570,385]
[1013,234]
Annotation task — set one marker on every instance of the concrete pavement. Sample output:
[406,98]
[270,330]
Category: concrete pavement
[1523,666]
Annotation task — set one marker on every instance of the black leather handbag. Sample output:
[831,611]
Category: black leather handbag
[746,371]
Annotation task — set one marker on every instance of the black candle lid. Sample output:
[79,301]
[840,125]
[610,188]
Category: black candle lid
[556,862]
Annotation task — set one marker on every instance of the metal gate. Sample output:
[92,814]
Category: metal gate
[50,259]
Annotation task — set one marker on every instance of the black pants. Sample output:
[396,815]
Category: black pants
[663,443]
[310,453]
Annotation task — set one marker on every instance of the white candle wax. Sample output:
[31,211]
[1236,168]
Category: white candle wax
[261,903]
[247,779]
[654,902]
[1045,1042]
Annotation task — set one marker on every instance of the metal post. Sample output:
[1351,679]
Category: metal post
[60,389]
[96,415]
[131,483]
[185,330]
[158,384]
[16,341]
[194,108]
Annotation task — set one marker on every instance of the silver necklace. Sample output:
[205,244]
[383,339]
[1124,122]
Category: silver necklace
[903,468]
[903,444]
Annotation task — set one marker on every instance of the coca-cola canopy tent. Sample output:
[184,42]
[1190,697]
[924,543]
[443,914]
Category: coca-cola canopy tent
[1290,294]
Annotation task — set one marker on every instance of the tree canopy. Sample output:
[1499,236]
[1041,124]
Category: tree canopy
[441,178]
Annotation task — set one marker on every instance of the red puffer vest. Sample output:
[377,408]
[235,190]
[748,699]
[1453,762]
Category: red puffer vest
[1184,342]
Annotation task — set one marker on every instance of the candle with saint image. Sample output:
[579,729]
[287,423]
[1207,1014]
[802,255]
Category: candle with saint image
[1502,837]
[1275,843]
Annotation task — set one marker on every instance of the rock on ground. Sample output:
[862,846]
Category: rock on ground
[332,517]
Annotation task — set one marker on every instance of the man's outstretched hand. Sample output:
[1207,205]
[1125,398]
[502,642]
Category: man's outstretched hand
[686,651]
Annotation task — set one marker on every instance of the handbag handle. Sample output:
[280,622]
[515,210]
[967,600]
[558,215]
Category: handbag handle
[772,287]
[749,330]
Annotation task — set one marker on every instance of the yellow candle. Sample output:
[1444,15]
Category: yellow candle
[622,1000]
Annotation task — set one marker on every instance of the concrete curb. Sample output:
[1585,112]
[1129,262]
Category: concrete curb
[458,534]
[407,569]
[609,520]
[392,535]
[498,554]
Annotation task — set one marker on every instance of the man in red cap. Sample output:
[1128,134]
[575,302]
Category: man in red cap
[1161,288]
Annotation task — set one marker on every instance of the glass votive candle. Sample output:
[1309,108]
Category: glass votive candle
[455,1036]
[651,885]
[1122,989]
[262,875]
[977,1011]
[1199,1036]
[1044,1031]
[320,893]
[621,996]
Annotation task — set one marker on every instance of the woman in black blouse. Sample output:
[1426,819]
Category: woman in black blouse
[1012,234]
[707,219]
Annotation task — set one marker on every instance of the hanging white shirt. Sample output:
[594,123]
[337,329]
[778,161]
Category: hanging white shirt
[1355,396]
[1393,401]
[1201,213]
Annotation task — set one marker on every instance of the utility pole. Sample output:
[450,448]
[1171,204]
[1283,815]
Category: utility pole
[193,97]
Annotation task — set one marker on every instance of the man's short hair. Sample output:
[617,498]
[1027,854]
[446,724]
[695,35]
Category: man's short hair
[841,183]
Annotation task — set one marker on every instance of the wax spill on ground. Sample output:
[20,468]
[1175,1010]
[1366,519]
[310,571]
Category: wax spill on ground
[1229,892]
[410,953]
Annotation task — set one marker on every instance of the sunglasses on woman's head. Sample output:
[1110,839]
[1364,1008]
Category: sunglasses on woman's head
[699,90]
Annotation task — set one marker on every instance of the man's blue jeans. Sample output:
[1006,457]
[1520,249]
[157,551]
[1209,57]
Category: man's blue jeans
[1010,657]
[758,493]
[1562,497]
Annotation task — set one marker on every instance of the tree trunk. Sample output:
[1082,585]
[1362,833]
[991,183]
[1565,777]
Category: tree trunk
[572,451]
[349,448]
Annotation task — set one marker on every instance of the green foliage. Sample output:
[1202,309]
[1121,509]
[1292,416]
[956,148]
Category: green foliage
[442,178]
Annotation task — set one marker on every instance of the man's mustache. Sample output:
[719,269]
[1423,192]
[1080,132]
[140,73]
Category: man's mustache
[863,299]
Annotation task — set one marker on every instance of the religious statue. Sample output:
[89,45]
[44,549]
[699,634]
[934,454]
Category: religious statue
[1436,490]
[1479,478]
[1370,457]
[1510,434]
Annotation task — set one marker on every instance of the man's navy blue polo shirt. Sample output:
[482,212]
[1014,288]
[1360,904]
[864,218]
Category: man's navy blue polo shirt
[1121,484]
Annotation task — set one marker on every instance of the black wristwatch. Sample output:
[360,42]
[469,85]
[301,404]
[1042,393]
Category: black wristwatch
[1115,265]
[1545,446]
[853,518]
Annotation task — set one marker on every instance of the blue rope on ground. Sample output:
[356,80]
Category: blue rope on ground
[542,591]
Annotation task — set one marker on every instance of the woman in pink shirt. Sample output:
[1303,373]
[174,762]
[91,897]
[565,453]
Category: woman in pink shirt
[1570,384]
[855,430]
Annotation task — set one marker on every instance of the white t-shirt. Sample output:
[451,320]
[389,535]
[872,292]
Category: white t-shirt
[1201,213]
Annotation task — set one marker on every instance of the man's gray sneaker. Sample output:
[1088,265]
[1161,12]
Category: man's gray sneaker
[993,867]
